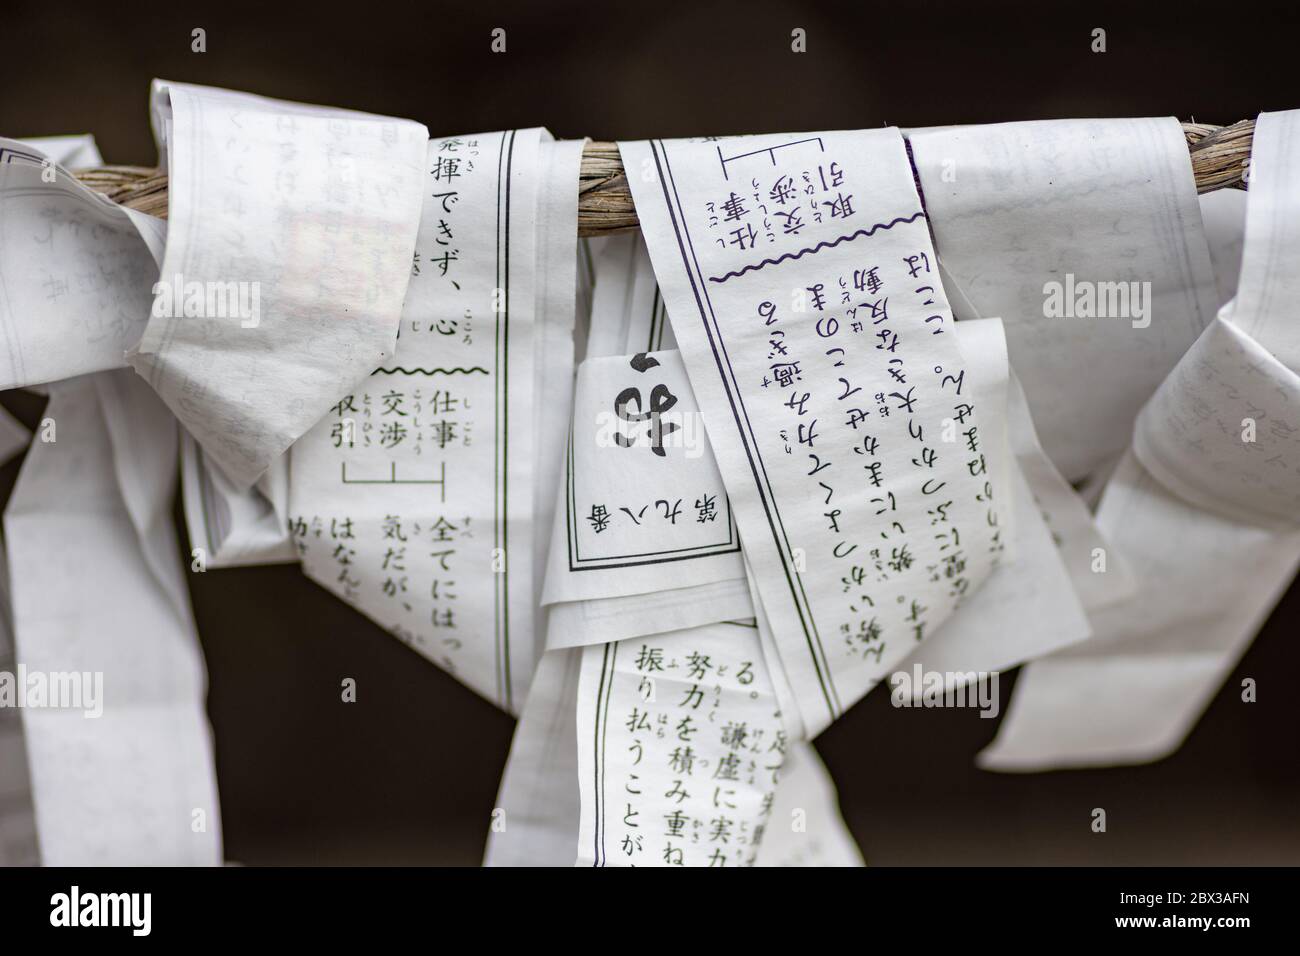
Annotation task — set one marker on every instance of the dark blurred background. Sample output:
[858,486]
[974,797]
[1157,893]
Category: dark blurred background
[409,774]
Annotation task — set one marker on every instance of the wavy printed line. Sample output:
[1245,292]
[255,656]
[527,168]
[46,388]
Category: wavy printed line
[431,371]
[817,248]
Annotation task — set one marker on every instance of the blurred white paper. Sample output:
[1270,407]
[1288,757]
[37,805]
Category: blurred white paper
[14,436]
[1223,213]
[628,313]
[1269,285]
[1134,691]
[1223,431]
[1199,511]
[1071,524]
[806,829]
[1100,208]
[77,273]
[805,297]
[134,785]
[538,798]
[18,842]
[292,230]
[78,151]
[235,528]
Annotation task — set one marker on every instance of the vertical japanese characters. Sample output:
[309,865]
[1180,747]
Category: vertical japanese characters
[804,293]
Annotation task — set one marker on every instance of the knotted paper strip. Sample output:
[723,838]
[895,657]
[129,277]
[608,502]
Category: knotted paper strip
[77,272]
[1203,511]
[135,784]
[229,527]
[291,235]
[18,846]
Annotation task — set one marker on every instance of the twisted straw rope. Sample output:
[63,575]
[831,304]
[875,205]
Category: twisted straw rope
[1218,155]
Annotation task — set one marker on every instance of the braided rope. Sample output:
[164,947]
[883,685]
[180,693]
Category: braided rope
[1218,155]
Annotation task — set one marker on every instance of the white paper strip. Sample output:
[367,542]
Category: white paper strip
[232,528]
[1029,216]
[538,810]
[1028,607]
[291,236]
[1133,692]
[680,745]
[804,293]
[1097,572]
[644,507]
[415,499]
[659,585]
[14,437]
[78,151]
[805,828]
[1270,282]
[536,818]
[134,785]
[1223,213]
[630,315]
[18,841]
[1207,534]
[1223,431]
[77,273]
[599,620]
[557,284]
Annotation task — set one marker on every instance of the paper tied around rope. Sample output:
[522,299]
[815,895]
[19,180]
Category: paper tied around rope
[77,270]
[1269,285]
[1203,525]
[292,233]
[1228,400]
[1085,237]
[1027,608]
[804,294]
